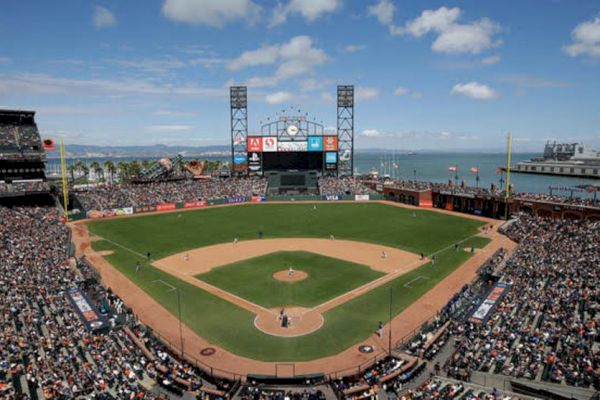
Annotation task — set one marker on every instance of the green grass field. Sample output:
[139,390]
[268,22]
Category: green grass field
[231,327]
[252,279]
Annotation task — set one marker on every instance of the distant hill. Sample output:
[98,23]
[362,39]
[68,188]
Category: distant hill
[155,151]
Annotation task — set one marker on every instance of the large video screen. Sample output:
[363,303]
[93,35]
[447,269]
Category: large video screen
[284,161]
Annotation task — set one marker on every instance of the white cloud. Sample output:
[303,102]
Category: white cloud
[365,93]
[215,13]
[45,84]
[383,11]
[168,128]
[279,97]
[527,81]
[453,37]
[296,57]
[354,48]
[311,10]
[371,133]
[262,56]
[174,113]
[400,91]
[474,90]
[327,97]
[586,39]
[5,60]
[103,18]
[491,60]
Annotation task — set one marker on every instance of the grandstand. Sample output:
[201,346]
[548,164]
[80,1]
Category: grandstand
[22,156]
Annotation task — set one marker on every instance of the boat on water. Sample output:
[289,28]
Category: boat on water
[563,159]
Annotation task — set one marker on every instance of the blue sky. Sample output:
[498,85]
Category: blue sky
[428,74]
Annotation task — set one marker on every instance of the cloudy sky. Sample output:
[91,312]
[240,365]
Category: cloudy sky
[428,74]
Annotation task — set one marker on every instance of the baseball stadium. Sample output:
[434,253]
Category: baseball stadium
[271,265]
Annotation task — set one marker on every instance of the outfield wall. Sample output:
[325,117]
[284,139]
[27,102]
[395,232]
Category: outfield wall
[94,214]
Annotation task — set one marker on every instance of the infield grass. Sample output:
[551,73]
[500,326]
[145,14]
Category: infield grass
[231,327]
[253,279]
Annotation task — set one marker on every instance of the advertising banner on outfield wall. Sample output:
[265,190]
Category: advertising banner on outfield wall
[331,198]
[195,204]
[144,209]
[85,310]
[234,200]
[257,199]
[109,213]
[166,207]
[361,197]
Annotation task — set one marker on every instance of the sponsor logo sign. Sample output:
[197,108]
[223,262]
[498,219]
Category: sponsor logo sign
[330,143]
[166,207]
[254,162]
[292,146]
[484,310]
[233,200]
[331,158]
[315,143]
[361,197]
[239,159]
[145,209]
[269,144]
[257,199]
[86,311]
[331,198]
[255,144]
[194,204]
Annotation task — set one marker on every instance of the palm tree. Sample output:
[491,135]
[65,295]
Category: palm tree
[81,167]
[146,164]
[109,167]
[98,171]
[71,168]
[134,168]
[122,168]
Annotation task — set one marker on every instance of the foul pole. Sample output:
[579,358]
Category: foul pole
[508,155]
[65,183]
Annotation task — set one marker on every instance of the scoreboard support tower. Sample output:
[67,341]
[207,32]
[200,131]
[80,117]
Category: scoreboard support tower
[345,129]
[238,99]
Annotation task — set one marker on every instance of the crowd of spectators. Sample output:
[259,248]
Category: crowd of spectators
[103,197]
[45,349]
[546,326]
[442,388]
[18,139]
[332,186]
[256,392]
[571,200]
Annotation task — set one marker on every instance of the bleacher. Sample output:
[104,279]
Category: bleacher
[22,156]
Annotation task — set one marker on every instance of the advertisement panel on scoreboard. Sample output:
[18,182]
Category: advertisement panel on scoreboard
[315,143]
[254,162]
[269,144]
[292,146]
[330,143]
[330,158]
[255,144]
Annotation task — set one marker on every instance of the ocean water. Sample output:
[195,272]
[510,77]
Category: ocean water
[434,167]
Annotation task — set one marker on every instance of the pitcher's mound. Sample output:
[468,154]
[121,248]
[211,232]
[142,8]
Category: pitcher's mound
[285,276]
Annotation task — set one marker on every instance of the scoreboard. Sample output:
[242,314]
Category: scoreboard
[270,153]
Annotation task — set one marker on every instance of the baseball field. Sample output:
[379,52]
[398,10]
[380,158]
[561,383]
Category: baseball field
[335,264]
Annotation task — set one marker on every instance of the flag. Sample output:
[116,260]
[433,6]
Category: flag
[453,168]
[49,145]
[474,170]
[499,170]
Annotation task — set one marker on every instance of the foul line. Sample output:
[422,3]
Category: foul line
[123,247]
[407,284]
[166,284]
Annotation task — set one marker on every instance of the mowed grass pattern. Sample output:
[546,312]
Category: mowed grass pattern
[231,327]
[252,279]
[171,233]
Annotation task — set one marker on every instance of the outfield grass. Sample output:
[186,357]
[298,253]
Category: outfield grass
[226,325]
[252,279]
[171,233]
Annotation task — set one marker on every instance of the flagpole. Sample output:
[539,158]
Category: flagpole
[63,165]
[508,157]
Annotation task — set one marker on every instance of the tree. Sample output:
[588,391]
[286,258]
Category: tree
[109,167]
[98,171]
[82,167]
[122,169]
[71,168]
[133,168]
